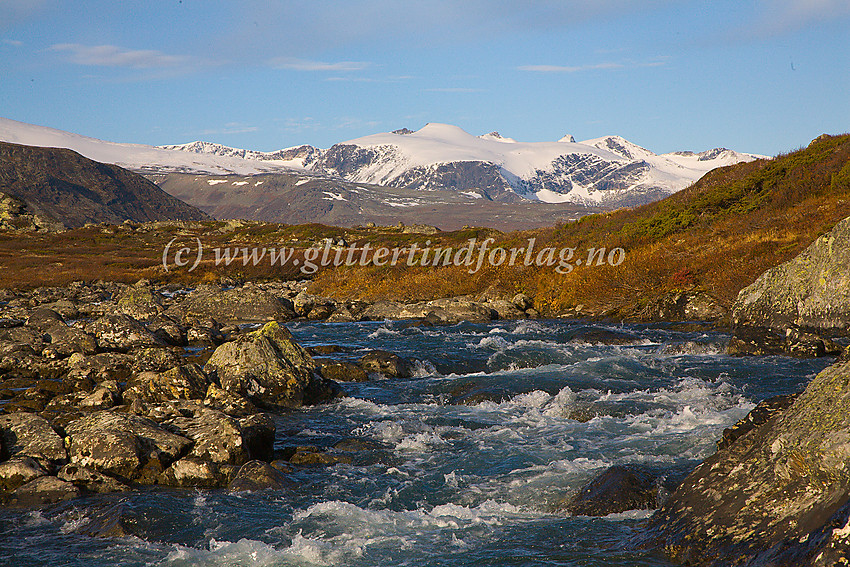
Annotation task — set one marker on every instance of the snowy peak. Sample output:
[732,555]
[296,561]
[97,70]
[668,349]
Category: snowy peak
[496,137]
[620,146]
[568,139]
[298,156]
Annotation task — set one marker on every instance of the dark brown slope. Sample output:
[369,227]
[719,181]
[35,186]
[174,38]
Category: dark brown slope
[74,190]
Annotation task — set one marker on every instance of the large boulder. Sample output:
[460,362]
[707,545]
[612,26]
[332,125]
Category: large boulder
[123,445]
[782,485]
[217,437]
[186,382]
[812,291]
[270,369]
[27,434]
[246,304]
[121,332]
[140,302]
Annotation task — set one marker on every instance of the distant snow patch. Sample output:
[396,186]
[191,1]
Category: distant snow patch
[333,196]
[216,181]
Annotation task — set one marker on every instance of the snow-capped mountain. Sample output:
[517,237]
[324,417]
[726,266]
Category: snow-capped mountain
[137,157]
[609,170]
[300,157]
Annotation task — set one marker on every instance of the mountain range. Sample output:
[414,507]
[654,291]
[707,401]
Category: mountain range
[439,173]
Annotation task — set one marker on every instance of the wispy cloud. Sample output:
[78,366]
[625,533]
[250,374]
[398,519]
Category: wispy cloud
[310,65]
[657,62]
[568,69]
[114,56]
[13,42]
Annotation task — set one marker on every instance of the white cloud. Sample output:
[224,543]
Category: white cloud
[309,65]
[114,56]
[13,42]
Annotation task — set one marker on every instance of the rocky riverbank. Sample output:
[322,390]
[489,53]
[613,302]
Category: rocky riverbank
[107,386]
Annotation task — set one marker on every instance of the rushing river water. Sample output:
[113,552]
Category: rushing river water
[463,464]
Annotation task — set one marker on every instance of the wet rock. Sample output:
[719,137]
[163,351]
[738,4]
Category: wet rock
[505,309]
[108,521]
[810,292]
[342,371]
[90,479]
[19,470]
[386,363]
[42,491]
[122,333]
[246,304]
[193,471]
[617,489]
[269,368]
[313,456]
[123,445]
[779,484]
[27,434]
[605,337]
[258,475]
[755,342]
[454,310]
[187,382]
[473,393]
[762,341]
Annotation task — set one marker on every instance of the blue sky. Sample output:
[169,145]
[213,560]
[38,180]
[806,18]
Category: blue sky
[763,77]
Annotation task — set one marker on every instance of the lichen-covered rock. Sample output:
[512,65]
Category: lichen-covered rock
[617,489]
[217,437]
[140,302]
[90,479]
[106,395]
[778,483]
[811,292]
[65,340]
[19,470]
[186,382]
[228,402]
[342,371]
[269,368]
[193,471]
[121,332]
[246,304]
[123,445]
[31,435]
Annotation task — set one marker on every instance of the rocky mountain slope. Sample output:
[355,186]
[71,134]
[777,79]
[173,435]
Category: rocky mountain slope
[55,188]
[610,171]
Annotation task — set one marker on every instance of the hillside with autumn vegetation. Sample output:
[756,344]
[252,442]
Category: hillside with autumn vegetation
[716,236]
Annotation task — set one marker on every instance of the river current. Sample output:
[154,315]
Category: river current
[467,463]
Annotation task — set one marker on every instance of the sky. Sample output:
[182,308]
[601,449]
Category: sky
[763,77]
